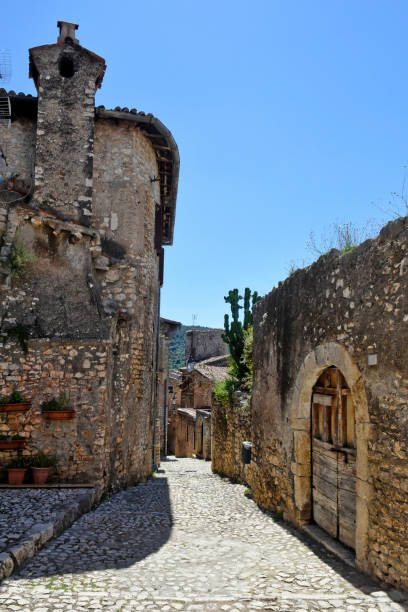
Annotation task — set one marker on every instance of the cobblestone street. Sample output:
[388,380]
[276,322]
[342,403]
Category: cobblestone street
[187,540]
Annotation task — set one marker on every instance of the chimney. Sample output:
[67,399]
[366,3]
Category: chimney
[66,76]
[67,31]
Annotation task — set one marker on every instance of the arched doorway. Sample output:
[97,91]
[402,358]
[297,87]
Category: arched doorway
[314,364]
[334,456]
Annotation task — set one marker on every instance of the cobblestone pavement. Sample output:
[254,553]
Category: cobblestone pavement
[187,540]
[21,509]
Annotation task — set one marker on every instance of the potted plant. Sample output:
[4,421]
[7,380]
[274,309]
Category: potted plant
[17,469]
[58,408]
[11,442]
[13,403]
[40,467]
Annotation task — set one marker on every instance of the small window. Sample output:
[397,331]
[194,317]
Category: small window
[66,67]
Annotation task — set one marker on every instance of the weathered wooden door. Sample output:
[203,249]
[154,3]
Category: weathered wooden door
[334,457]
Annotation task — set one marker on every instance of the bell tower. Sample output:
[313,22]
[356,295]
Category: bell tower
[66,76]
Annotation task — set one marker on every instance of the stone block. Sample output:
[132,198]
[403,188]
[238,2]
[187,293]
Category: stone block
[6,565]
[302,447]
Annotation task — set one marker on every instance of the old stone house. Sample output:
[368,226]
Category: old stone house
[202,344]
[167,329]
[328,419]
[197,388]
[174,402]
[87,202]
[185,432]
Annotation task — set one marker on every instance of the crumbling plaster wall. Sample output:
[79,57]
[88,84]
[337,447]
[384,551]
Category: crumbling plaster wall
[349,310]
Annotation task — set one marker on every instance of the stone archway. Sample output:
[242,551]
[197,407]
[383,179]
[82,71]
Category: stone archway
[323,356]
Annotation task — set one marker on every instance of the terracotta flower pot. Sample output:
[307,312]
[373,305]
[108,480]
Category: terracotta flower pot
[11,444]
[16,475]
[40,474]
[59,414]
[16,407]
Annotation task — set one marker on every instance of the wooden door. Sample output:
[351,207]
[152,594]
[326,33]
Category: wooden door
[334,457]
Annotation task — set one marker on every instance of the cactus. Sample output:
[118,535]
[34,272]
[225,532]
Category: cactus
[234,334]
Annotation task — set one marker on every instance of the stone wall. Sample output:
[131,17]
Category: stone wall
[203,434]
[47,368]
[18,144]
[231,425]
[349,311]
[204,343]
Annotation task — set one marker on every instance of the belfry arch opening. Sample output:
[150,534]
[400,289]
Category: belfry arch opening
[66,66]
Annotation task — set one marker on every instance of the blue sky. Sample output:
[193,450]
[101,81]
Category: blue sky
[289,115]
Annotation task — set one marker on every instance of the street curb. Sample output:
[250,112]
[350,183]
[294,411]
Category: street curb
[41,533]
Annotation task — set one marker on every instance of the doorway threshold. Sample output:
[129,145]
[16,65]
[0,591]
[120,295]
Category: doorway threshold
[341,551]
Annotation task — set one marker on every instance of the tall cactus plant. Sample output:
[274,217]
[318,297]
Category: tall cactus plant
[234,332]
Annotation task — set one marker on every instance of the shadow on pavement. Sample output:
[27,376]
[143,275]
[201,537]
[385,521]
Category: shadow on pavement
[358,579]
[120,532]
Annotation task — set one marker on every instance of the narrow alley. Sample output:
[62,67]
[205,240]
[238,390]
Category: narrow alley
[187,540]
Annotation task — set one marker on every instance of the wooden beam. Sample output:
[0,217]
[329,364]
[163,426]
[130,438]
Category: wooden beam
[330,391]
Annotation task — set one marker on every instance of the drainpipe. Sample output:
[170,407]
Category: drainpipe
[156,385]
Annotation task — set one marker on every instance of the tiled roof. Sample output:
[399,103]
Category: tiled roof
[188,412]
[214,368]
[12,94]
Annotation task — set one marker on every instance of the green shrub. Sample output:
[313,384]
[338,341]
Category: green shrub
[63,402]
[21,333]
[224,389]
[20,258]
[20,462]
[15,397]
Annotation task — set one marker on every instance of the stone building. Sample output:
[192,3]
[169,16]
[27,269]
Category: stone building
[185,432]
[174,402]
[202,344]
[167,329]
[197,388]
[198,384]
[87,202]
[329,407]
[203,433]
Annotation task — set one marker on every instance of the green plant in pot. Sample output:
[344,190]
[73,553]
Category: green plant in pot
[58,408]
[40,466]
[17,469]
[12,442]
[13,403]
[13,398]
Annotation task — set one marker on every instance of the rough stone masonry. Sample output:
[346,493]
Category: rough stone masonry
[87,201]
[330,355]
